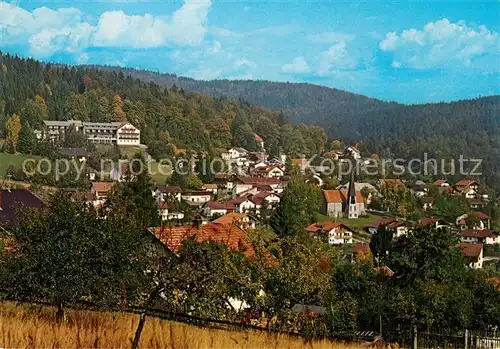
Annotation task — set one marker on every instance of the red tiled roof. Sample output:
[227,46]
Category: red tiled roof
[230,218]
[227,234]
[479,214]
[198,193]
[476,233]
[428,221]
[325,226]
[258,138]
[221,205]
[162,205]
[103,186]
[465,183]
[440,181]
[259,197]
[471,251]
[169,189]
[340,196]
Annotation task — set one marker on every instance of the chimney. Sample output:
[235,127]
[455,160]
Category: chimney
[197,222]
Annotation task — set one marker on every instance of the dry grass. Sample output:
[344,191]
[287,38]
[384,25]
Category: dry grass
[24,326]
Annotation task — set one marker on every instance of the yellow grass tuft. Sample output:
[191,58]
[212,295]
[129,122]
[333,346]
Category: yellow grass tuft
[27,326]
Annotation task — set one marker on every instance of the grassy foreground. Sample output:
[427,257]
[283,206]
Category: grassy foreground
[24,326]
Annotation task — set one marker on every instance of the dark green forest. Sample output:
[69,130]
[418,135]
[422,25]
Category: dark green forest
[169,118]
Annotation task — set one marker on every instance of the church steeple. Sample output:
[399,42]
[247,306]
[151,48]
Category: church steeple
[351,207]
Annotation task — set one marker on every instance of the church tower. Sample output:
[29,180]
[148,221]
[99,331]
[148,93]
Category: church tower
[351,207]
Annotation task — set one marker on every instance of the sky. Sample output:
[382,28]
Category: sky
[404,51]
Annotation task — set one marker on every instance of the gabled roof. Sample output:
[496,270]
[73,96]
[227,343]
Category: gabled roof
[168,189]
[228,234]
[471,251]
[429,221]
[13,199]
[340,196]
[231,218]
[326,226]
[215,205]
[259,197]
[478,214]
[103,186]
[465,183]
[477,233]
[440,182]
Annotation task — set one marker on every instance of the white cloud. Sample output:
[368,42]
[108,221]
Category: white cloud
[443,44]
[298,65]
[336,58]
[243,63]
[67,30]
[330,37]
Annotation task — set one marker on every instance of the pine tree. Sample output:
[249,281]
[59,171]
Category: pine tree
[27,139]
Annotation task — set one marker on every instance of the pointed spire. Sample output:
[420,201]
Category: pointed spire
[352,188]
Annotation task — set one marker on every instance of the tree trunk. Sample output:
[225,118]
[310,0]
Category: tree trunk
[142,319]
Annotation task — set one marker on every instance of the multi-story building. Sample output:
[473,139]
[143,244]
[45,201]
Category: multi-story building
[119,133]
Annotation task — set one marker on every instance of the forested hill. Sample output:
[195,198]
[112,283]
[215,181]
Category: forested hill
[169,119]
[470,127]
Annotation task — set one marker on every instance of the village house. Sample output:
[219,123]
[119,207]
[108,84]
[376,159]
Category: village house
[242,220]
[483,236]
[212,188]
[259,141]
[214,208]
[80,154]
[336,233]
[243,184]
[237,153]
[11,200]
[163,210]
[118,173]
[197,197]
[352,152]
[171,238]
[473,253]
[398,227]
[427,202]
[473,220]
[101,190]
[269,172]
[167,192]
[467,184]
[432,222]
[442,183]
[339,203]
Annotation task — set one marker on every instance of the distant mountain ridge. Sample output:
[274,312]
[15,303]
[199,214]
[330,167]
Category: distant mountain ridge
[470,127]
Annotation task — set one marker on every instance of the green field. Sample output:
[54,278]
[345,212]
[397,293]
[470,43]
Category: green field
[13,159]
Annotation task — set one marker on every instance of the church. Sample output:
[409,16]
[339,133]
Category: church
[343,204]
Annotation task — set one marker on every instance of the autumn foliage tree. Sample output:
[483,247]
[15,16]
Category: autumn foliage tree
[13,127]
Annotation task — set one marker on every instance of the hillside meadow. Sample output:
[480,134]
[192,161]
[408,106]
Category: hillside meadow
[29,326]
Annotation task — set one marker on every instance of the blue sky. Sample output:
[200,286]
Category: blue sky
[406,51]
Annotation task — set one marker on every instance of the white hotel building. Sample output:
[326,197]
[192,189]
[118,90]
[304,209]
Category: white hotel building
[119,133]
